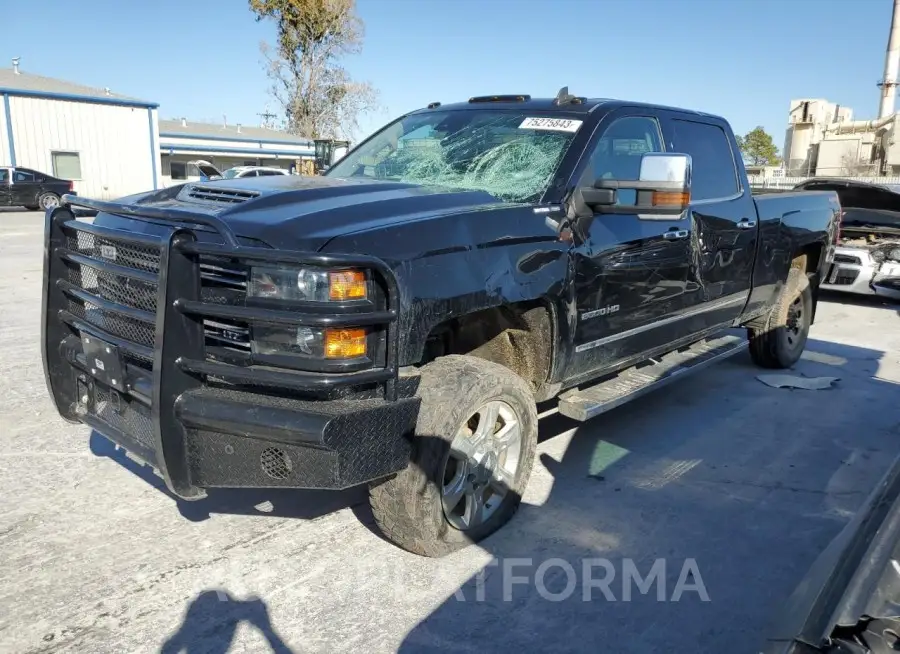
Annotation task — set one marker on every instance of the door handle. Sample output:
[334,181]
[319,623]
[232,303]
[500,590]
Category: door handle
[746,223]
[674,234]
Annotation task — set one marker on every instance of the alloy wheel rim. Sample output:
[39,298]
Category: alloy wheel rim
[794,324]
[50,202]
[482,465]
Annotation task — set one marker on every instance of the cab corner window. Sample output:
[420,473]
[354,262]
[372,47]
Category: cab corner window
[713,175]
[618,153]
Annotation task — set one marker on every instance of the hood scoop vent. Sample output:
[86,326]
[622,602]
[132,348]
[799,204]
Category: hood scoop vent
[219,195]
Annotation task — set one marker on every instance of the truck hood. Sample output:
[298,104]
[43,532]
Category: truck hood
[294,212]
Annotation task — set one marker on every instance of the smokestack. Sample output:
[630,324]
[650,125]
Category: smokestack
[16,66]
[225,118]
[891,66]
[183,121]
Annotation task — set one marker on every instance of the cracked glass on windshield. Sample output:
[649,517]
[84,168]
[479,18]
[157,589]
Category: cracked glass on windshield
[510,155]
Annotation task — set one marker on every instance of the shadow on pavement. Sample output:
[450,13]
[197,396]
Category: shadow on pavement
[274,502]
[854,300]
[700,520]
[211,621]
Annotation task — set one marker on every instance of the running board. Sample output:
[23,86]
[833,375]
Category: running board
[590,402]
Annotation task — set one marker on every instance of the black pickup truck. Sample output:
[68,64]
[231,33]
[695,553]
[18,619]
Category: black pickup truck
[395,321]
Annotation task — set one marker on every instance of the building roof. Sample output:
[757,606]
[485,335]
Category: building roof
[28,84]
[188,129]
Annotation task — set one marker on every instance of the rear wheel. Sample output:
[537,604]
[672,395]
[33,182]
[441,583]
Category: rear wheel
[48,200]
[778,339]
[475,442]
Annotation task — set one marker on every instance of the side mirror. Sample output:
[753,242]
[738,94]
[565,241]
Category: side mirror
[663,188]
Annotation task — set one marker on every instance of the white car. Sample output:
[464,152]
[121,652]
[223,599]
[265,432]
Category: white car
[252,171]
[867,256]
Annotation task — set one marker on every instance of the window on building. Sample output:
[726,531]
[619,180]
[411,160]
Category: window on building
[178,170]
[66,165]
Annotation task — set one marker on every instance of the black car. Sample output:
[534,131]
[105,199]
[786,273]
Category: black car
[32,189]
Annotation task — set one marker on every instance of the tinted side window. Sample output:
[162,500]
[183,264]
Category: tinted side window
[618,152]
[714,174]
[22,176]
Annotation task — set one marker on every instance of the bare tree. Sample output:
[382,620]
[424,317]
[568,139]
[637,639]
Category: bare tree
[317,94]
[852,165]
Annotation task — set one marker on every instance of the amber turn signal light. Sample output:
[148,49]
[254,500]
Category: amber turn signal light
[347,285]
[670,198]
[345,343]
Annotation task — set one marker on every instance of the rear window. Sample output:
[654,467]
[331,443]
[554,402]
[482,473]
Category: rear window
[714,174]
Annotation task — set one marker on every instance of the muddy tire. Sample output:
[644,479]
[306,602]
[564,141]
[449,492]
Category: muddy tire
[778,339]
[476,437]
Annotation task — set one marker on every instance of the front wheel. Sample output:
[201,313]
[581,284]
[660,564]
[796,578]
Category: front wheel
[472,454]
[778,340]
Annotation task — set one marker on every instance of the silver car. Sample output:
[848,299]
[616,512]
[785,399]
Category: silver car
[867,256]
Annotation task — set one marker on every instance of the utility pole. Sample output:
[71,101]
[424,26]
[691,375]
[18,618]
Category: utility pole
[267,118]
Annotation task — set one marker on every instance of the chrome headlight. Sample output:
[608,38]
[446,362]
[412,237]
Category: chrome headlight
[307,284]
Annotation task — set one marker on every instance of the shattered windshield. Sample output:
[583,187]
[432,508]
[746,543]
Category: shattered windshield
[511,155]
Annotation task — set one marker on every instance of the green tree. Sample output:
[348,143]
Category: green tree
[316,93]
[758,148]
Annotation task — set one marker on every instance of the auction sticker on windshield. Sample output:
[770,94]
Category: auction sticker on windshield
[552,124]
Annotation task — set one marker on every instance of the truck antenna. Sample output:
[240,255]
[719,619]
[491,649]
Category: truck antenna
[564,97]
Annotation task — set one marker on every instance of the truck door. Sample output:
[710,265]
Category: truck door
[723,219]
[631,273]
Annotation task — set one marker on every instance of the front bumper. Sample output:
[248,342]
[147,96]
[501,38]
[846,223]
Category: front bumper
[135,368]
[855,271]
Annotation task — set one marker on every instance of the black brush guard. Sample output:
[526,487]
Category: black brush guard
[250,433]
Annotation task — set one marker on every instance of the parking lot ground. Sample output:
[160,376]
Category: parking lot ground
[748,481]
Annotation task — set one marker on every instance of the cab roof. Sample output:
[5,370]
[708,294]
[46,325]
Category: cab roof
[561,104]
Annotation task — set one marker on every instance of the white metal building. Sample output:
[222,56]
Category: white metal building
[111,145]
[224,146]
[106,143]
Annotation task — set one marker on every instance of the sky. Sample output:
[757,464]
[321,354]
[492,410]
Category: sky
[742,59]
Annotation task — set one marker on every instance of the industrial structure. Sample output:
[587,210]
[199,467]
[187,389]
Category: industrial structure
[822,138]
[111,145]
